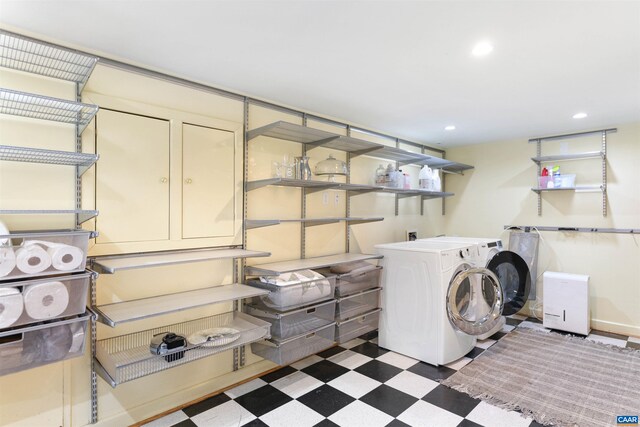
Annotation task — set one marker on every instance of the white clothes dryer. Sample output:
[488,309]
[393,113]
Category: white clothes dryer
[431,307]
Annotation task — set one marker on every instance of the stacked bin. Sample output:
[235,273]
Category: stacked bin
[43,294]
[301,314]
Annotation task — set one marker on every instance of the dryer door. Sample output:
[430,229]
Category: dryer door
[514,277]
[474,300]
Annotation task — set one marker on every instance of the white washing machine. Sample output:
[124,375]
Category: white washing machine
[431,308]
[512,271]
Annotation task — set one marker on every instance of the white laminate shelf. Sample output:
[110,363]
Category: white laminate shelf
[110,265]
[308,222]
[357,147]
[34,56]
[277,268]
[129,311]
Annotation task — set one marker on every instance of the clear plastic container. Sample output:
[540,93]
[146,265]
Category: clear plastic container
[49,342]
[353,328]
[543,181]
[43,253]
[351,283]
[32,301]
[286,324]
[285,352]
[289,296]
[567,181]
[357,304]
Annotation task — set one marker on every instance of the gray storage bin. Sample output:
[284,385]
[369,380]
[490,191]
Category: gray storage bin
[348,284]
[33,346]
[285,352]
[353,328]
[32,301]
[354,305]
[286,324]
[43,253]
[290,296]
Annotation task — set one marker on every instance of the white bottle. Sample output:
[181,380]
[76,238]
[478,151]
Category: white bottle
[379,177]
[390,176]
[437,183]
[424,177]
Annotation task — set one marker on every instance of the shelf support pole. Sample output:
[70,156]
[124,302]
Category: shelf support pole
[538,154]
[303,203]
[348,199]
[93,343]
[397,166]
[604,173]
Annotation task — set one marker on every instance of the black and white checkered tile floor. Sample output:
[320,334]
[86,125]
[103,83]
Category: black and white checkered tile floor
[360,384]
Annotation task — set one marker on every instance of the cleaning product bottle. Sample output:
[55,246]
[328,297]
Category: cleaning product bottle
[557,179]
[437,183]
[390,176]
[379,177]
[407,181]
[399,179]
[424,177]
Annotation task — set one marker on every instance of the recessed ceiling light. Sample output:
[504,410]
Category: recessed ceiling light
[482,48]
[580,115]
[450,127]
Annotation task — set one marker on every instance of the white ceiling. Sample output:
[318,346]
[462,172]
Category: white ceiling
[402,67]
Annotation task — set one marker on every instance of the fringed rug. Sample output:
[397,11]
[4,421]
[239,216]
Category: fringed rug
[556,379]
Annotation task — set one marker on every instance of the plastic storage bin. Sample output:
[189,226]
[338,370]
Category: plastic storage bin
[32,301]
[289,296]
[43,253]
[284,352]
[348,284]
[353,328]
[354,305]
[568,180]
[32,346]
[286,324]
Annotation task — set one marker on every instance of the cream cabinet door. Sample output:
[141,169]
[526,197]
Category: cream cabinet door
[132,180]
[208,182]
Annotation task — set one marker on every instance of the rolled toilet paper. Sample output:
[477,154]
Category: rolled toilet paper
[11,306]
[46,300]
[65,257]
[77,333]
[32,259]
[7,261]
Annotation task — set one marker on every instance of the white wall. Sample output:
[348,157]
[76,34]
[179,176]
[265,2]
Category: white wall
[498,193]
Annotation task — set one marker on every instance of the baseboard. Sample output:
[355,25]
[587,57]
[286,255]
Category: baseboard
[158,406]
[616,328]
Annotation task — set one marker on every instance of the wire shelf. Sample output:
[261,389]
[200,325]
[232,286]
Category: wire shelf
[46,108]
[24,54]
[83,215]
[277,268]
[53,157]
[127,357]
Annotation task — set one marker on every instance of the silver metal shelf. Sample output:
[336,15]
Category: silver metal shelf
[113,264]
[46,108]
[128,311]
[35,155]
[357,147]
[307,222]
[425,194]
[576,229]
[289,182]
[579,189]
[127,357]
[565,157]
[360,188]
[82,215]
[277,268]
[24,54]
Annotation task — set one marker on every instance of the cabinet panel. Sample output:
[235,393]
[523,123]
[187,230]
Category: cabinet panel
[208,182]
[132,180]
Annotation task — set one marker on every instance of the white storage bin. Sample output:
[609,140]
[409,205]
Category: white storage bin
[351,283]
[354,305]
[43,253]
[289,295]
[32,346]
[284,352]
[31,301]
[353,328]
[286,324]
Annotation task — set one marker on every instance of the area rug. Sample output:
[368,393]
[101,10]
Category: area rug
[555,379]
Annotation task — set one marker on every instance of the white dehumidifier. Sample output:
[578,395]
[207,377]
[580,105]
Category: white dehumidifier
[566,302]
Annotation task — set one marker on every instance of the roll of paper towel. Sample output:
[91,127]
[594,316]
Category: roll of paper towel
[11,306]
[77,332]
[7,261]
[65,257]
[32,259]
[46,300]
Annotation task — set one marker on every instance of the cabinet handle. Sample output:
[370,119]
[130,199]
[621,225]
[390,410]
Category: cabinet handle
[188,181]
[163,180]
